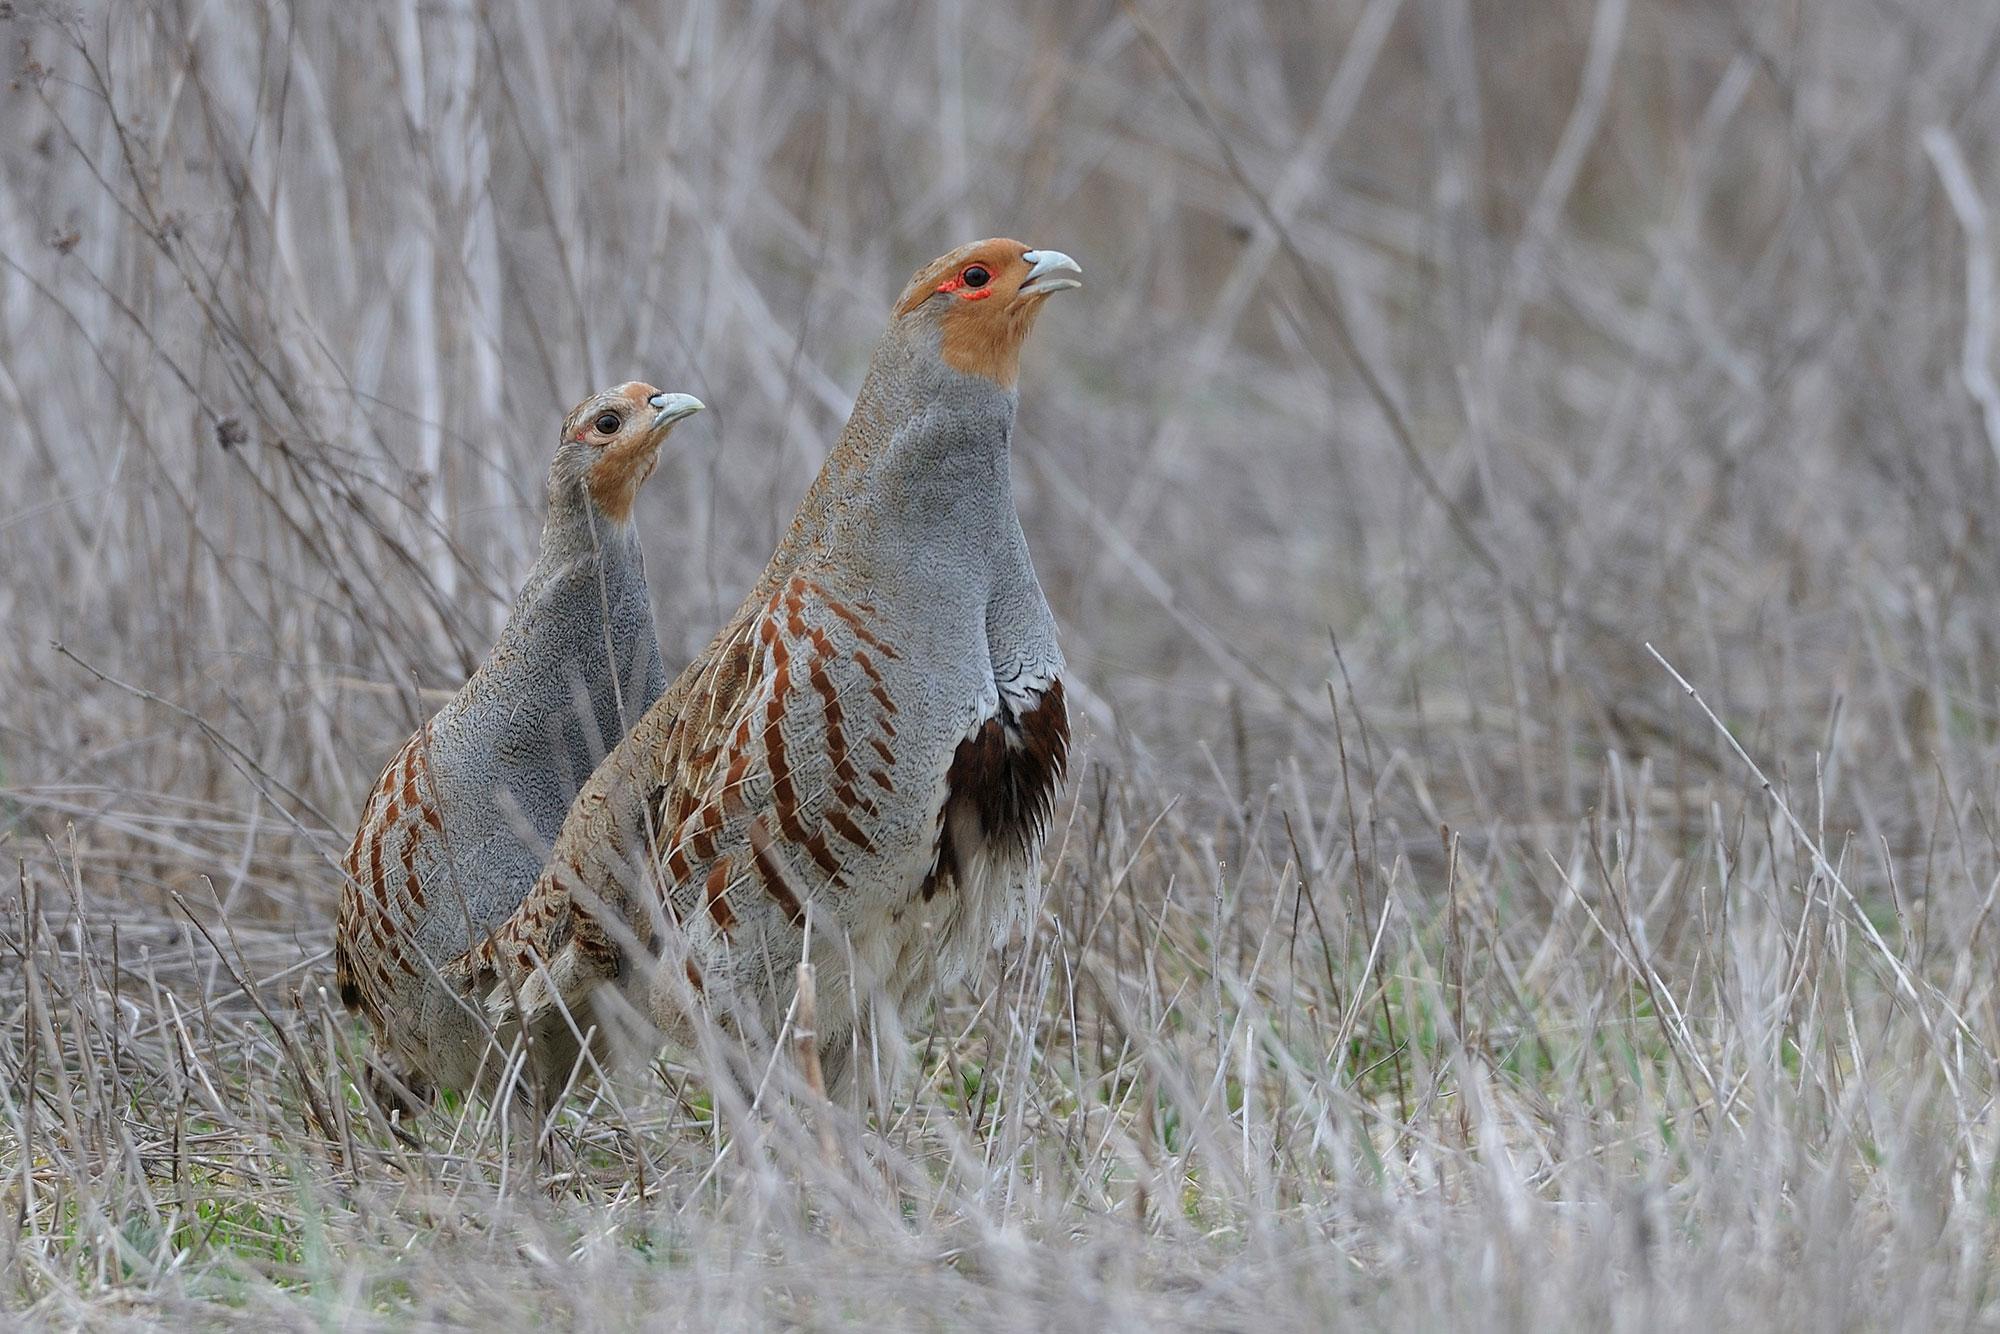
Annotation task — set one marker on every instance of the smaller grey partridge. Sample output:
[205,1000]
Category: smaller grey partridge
[455,830]
[871,746]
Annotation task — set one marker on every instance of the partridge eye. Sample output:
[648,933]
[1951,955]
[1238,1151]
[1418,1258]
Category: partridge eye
[608,424]
[976,276]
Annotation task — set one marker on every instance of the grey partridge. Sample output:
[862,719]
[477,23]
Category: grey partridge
[457,827]
[872,744]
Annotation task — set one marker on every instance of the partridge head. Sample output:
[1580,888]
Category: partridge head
[983,299]
[611,444]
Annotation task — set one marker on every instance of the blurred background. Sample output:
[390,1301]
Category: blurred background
[1487,342]
[1435,358]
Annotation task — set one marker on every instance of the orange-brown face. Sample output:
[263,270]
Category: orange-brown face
[622,429]
[985,297]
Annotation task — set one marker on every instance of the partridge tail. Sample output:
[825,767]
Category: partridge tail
[546,1003]
[344,982]
[553,1011]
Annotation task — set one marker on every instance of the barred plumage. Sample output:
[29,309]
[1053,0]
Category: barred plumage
[873,743]
[457,827]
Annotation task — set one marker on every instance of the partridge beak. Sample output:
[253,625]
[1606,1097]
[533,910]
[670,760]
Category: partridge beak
[673,408]
[1050,271]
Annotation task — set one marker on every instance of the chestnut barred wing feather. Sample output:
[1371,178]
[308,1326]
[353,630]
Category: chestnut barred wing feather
[616,847]
[385,868]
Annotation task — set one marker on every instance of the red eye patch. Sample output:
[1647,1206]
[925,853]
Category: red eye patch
[954,284]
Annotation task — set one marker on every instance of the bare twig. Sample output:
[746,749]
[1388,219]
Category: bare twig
[1975,365]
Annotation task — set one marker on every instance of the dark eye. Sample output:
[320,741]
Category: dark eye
[976,276]
[608,424]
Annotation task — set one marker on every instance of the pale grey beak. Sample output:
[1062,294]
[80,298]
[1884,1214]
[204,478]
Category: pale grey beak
[673,408]
[1050,271]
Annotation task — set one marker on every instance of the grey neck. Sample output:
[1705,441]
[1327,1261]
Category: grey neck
[578,545]
[934,495]
[582,616]
[578,661]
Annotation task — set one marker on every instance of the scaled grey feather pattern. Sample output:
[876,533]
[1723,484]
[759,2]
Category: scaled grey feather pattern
[460,823]
[868,751]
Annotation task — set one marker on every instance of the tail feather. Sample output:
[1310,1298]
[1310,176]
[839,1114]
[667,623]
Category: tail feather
[344,982]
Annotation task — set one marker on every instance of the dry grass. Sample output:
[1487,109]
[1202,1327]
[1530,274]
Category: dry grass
[1468,976]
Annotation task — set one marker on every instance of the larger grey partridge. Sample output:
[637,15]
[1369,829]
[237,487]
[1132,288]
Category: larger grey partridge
[873,743]
[457,828]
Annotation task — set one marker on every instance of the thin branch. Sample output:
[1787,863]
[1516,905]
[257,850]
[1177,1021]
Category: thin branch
[1975,365]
